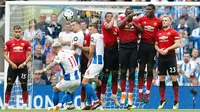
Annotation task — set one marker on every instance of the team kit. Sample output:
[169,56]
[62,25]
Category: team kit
[117,47]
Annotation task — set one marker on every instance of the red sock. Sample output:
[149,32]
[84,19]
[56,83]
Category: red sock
[114,87]
[148,88]
[175,88]
[25,97]
[7,96]
[140,85]
[103,88]
[82,94]
[131,85]
[123,85]
[162,93]
[98,89]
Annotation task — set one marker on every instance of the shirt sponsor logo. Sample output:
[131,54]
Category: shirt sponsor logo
[18,49]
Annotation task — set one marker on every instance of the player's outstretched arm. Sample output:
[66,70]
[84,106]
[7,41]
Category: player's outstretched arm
[49,66]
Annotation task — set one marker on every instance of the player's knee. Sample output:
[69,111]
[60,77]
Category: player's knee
[173,78]
[9,87]
[162,78]
[132,74]
[24,87]
[123,74]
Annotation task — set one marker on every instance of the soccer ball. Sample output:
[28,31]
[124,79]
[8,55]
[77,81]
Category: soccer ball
[68,14]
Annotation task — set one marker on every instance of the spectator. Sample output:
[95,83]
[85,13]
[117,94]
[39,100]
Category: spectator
[42,25]
[184,45]
[53,80]
[84,27]
[195,37]
[191,22]
[186,69]
[37,79]
[48,76]
[54,28]
[33,34]
[183,25]
[66,36]
[2,9]
[47,46]
[196,60]
[38,59]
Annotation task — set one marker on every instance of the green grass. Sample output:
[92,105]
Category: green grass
[103,111]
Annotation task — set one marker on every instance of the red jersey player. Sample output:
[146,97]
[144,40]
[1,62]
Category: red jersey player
[19,51]
[150,25]
[128,34]
[167,40]
[111,59]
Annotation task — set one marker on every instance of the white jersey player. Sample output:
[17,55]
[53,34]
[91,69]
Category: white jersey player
[78,39]
[95,63]
[71,77]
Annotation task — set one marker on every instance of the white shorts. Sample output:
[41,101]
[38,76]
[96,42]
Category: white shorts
[68,86]
[93,71]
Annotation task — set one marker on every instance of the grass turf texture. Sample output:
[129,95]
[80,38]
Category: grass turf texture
[34,110]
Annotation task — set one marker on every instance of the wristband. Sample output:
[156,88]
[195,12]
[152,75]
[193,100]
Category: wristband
[24,63]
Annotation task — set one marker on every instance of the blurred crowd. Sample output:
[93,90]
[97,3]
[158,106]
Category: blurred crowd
[186,20]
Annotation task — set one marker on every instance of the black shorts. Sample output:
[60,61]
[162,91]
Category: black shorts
[147,53]
[111,58]
[83,62]
[21,73]
[167,64]
[128,56]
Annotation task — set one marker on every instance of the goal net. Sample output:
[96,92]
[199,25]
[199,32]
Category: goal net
[20,13]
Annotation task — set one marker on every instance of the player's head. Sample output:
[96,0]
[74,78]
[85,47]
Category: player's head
[93,28]
[127,12]
[166,21]
[17,31]
[195,53]
[108,16]
[67,26]
[186,57]
[56,47]
[75,25]
[83,25]
[53,17]
[150,9]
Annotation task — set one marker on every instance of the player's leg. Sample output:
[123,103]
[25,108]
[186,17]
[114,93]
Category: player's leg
[69,87]
[124,61]
[23,77]
[106,70]
[162,69]
[174,75]
[132,65]
[150,63]
[143,60]
[90,73]
[114,68]
[11,77]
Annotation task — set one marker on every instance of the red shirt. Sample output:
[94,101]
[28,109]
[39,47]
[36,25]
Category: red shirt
[166,38]
[17,50]
[128,33]
[150,28]
[110,35]
[86,40]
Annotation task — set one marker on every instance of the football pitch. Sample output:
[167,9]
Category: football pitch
[167,110]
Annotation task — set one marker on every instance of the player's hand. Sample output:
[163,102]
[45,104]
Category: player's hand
[161,51]
[14,66]
[21,66]
[165,51]
[131,15]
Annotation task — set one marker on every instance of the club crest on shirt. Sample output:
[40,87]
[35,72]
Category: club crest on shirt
[22,44]
[75,38]
[155,24]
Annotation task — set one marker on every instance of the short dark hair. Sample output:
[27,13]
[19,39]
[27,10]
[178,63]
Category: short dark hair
[16,27]
[76,21]
[93,25]
[108,13]
[152,6]
[129,8]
